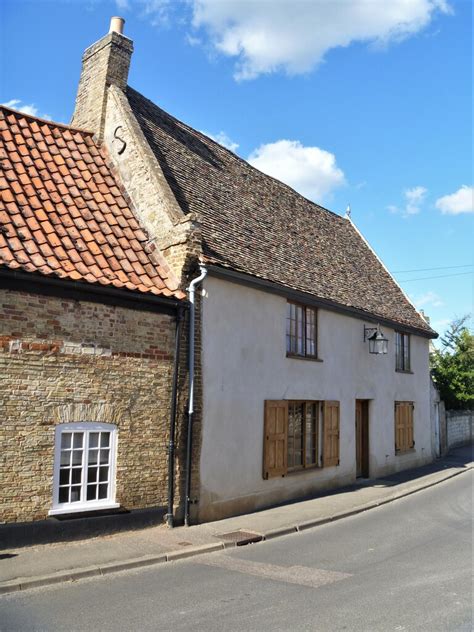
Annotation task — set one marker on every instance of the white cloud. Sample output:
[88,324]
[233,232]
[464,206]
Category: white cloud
[414,198]
[31,109]
[462,201]
[427,299]
[193,41]
[223,140]
[271,35]
[309,170]
[156,11]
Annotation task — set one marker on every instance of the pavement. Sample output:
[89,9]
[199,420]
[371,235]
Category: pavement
[47,564]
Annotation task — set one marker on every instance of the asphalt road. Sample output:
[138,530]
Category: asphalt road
[403,566]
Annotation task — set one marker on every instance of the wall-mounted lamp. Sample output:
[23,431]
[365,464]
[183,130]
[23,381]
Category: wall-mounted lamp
[378,344]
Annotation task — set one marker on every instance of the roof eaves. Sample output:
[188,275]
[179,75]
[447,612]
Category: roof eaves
[33,281]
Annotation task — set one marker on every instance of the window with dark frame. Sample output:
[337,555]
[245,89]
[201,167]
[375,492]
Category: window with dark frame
[303,435]
[301,330]
[300,435]
[402,351]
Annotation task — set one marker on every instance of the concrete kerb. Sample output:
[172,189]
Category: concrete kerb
[278,533]
[24,583]
[149,560]
[375,503]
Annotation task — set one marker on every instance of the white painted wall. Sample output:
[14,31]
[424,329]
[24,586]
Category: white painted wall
[244,363]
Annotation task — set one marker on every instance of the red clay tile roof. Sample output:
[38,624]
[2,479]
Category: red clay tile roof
[63,214]
[253,223]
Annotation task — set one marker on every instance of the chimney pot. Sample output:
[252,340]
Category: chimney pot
[116,25]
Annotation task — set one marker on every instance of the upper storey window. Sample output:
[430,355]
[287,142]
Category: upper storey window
[301,330]
[402,352]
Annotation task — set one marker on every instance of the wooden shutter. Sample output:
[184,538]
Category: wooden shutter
[330,434]
[404,439]
[275,439]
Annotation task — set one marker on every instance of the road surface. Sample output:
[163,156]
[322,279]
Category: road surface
[404,566]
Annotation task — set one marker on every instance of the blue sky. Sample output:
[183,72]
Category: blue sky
[349,101]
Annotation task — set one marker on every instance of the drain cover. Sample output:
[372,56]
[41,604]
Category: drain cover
[240,538]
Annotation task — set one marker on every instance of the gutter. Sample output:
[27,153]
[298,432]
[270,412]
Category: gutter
[192,314]
[39,284]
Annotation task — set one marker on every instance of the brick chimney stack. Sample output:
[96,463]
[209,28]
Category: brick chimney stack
[104,63]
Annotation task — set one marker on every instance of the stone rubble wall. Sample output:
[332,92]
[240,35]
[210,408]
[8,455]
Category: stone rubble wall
[63,360]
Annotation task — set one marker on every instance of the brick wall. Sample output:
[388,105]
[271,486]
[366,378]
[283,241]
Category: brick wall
[63,360]
[459,427]
[104,63]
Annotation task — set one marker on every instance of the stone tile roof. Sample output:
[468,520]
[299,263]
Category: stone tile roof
[63,214]
[255,224]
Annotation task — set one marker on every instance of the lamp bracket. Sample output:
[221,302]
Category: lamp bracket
[369,332]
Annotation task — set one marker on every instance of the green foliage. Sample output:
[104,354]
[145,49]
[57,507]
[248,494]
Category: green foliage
[452,367]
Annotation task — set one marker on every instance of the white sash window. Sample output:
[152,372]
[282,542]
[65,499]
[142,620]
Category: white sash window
[84,467]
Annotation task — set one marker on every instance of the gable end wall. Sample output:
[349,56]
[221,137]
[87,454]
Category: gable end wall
[176,235]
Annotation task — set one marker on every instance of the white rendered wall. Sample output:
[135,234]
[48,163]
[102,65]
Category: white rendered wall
[244,363]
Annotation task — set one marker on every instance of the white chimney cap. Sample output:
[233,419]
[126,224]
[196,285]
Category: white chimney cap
[116,25]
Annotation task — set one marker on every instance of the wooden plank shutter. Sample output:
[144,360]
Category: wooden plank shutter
[275,439]
[330,434]
[410,434]
[404,439]
[399,427]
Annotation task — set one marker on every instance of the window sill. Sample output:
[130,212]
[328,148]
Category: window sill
[295,356]
[402,452]
[403,371]
[82,508]
[302,470]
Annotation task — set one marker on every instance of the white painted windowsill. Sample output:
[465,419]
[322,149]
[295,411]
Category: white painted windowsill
[82,508]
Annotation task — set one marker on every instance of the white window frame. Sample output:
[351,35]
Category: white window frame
[84,505]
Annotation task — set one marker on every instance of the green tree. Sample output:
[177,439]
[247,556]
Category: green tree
[452,367]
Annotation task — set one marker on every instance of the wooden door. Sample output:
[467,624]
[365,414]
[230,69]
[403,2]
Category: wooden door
[362,438]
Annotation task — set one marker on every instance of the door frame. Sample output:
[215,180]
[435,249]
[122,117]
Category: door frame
[362,463]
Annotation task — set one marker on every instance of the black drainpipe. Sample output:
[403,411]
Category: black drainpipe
[171,445]
[192,313]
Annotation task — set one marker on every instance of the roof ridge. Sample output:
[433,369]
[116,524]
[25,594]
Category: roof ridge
[46,121]
[234,155]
